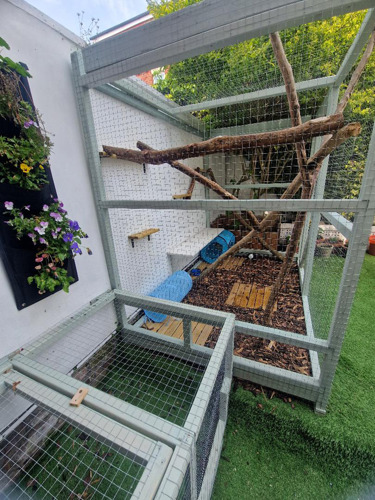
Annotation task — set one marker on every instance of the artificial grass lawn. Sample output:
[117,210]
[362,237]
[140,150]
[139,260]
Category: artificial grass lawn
[279,452]
[153,382]
[324,287]
[74,465]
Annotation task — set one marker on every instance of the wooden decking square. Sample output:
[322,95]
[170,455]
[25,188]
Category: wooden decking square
[174,328]
[230,264]
[251,296]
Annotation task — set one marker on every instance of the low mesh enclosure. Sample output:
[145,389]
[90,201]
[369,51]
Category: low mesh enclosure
[151,424]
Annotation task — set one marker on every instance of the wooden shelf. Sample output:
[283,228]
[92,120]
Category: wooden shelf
[181,196]
[142,234]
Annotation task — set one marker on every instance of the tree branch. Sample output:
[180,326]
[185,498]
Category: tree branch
[293,101]
[239,143]
[223,194]
[356,74]
[292,189]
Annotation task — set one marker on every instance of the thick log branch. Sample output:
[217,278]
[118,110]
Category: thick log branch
[293,101]
[292,189]
[239,143]
[356,74]
[189,192]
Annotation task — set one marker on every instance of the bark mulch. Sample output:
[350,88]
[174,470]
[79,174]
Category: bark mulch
[212,291]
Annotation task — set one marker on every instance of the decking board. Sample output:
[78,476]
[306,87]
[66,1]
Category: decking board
[249,296]
[174,328]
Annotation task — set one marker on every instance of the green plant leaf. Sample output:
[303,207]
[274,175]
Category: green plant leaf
[3,43]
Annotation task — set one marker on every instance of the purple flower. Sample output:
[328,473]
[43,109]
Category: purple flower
[45,208]
[43,241]
[74,246]
[8,205]
[56,200]
[62,211]
[54,235]
[44,224]
[39,230]
[56,216]
[20,215]
[73,224]
[30,123]
[67,237]
[31,235]
[27,207]
[58,229]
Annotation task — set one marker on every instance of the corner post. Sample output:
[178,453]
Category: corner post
[348,285]
[95,170]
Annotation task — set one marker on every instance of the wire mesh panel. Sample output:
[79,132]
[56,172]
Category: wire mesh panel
[57,451]
[285,120]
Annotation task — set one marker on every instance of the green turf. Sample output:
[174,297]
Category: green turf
[324,287]
[301,454]
[153,382]
[74,465]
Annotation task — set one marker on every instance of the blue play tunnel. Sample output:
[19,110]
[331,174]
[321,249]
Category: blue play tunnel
[175,288]
[217,246]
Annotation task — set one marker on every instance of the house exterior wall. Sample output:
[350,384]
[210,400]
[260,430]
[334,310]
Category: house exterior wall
[45,47]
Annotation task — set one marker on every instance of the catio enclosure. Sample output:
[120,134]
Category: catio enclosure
[271,139]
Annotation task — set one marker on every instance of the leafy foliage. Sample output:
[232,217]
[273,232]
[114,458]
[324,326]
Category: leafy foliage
[24,151]
[23,161]
[165,7]
[55,236]
[314,50]
[8,65]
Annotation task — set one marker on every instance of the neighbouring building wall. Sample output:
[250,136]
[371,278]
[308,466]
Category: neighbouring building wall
[146,265]
[45,47]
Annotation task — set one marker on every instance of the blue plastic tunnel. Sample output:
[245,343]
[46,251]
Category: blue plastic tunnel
[175,288]
[217,246]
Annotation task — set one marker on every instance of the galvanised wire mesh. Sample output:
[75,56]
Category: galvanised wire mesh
[55,452]
[240,90]
[161,389]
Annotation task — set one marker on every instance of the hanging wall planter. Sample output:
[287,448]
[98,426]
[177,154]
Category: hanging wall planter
[37,249]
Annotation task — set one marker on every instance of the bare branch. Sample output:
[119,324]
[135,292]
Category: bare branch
[239,143]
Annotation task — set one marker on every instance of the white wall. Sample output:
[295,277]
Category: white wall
[146,265]
[46,47]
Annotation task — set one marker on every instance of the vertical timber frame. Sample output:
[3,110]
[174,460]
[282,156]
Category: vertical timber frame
[95,171]
[352,268]
[307,250]
[123,56]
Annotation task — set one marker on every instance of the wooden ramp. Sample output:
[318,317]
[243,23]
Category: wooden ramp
[251,296]
[174,328]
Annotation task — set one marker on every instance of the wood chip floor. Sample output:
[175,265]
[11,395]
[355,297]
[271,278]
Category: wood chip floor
[251,295]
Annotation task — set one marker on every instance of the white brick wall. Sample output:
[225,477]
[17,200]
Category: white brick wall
[146,265]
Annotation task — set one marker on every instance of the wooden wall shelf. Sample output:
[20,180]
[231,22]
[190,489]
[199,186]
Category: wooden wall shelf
[142,234]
